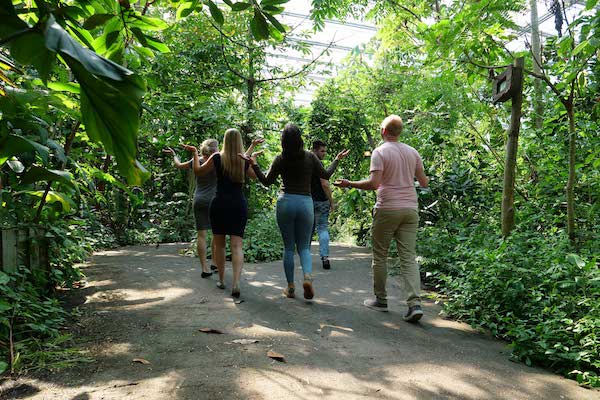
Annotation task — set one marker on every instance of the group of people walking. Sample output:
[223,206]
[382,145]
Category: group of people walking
[304,205]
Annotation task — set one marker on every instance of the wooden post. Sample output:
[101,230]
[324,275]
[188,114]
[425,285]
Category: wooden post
[512,142]
[9,250]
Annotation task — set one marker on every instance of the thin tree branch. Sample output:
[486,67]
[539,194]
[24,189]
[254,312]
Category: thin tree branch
[147,5]
[229,38]
[485,66]
[297,72]
[408,10]
[228,65]
[548,82]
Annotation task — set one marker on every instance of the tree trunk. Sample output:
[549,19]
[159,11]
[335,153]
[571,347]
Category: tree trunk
[369,137]
[536,51]
[512,143]
[572,177]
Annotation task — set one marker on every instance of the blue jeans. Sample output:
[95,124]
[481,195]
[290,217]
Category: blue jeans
[295,217]
[322,225]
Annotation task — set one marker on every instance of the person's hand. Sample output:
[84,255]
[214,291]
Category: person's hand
[343,183]
[251,160]
[255,155]
[169,150]
[342,154]
[332,206]
[187,147]
[258,141]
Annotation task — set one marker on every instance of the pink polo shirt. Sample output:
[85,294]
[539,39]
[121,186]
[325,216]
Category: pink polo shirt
[398,161]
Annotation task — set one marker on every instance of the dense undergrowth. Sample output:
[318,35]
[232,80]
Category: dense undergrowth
[531,289]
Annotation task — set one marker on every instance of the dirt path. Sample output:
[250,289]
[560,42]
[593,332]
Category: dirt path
[146,302]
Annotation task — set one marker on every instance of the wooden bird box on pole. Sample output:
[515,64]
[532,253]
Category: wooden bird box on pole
[509,86]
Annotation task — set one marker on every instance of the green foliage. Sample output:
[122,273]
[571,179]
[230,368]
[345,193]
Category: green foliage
[262,240]
[27,317]
[529,289]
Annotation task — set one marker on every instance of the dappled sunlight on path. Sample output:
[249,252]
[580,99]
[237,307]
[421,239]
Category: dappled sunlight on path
[149,303]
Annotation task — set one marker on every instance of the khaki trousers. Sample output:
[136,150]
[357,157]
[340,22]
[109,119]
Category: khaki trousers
[400,225]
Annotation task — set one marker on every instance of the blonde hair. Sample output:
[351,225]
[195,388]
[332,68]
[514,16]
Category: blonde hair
[208,147]
[393,125]
[233,164]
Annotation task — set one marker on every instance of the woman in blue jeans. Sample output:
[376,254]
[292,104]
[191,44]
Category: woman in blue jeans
[295,214]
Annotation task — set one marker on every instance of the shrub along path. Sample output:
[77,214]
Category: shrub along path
[149,303]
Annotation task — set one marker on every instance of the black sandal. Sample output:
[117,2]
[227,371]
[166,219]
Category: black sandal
[213,267]
[206,274]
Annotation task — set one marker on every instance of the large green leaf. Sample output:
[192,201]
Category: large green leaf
[147,23]
[259,26]
[4,305]
[38,174]
[240,6]
[185,9]
[51,197]
[11,145]
[29,49]
[276,23]
[215,12]
[11,23]
[110,100]
[96,20]
[27,44]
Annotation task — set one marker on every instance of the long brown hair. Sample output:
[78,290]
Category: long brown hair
[233,165]
[292,145]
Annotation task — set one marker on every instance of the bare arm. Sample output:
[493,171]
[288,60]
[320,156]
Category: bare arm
[421,177]
[200,169]
[255,142]
[250,172]
[178,164]
[368,184]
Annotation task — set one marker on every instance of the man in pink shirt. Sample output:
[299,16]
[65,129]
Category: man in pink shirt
[394,166]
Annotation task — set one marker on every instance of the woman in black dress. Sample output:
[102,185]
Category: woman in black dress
[229,209]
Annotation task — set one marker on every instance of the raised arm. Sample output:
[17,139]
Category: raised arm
[200,169]
[255,143]
[323,173]
[271,175]
[178,164]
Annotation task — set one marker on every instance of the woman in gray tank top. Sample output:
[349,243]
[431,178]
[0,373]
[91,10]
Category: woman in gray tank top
[206,186]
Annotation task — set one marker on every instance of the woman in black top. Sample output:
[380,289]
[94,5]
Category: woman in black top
[295,214]
[229,209]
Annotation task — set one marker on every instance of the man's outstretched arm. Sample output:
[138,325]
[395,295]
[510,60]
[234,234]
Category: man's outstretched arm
[368,184]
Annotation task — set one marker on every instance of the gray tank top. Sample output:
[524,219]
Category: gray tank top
[206,185]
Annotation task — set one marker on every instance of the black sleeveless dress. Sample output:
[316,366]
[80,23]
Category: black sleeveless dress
[229,208]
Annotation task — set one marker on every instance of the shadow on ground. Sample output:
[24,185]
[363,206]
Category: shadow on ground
[149,303]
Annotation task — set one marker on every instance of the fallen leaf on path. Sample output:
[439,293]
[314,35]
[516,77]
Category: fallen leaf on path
[244,341]
[141,361]
[275,356]
[210,330]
